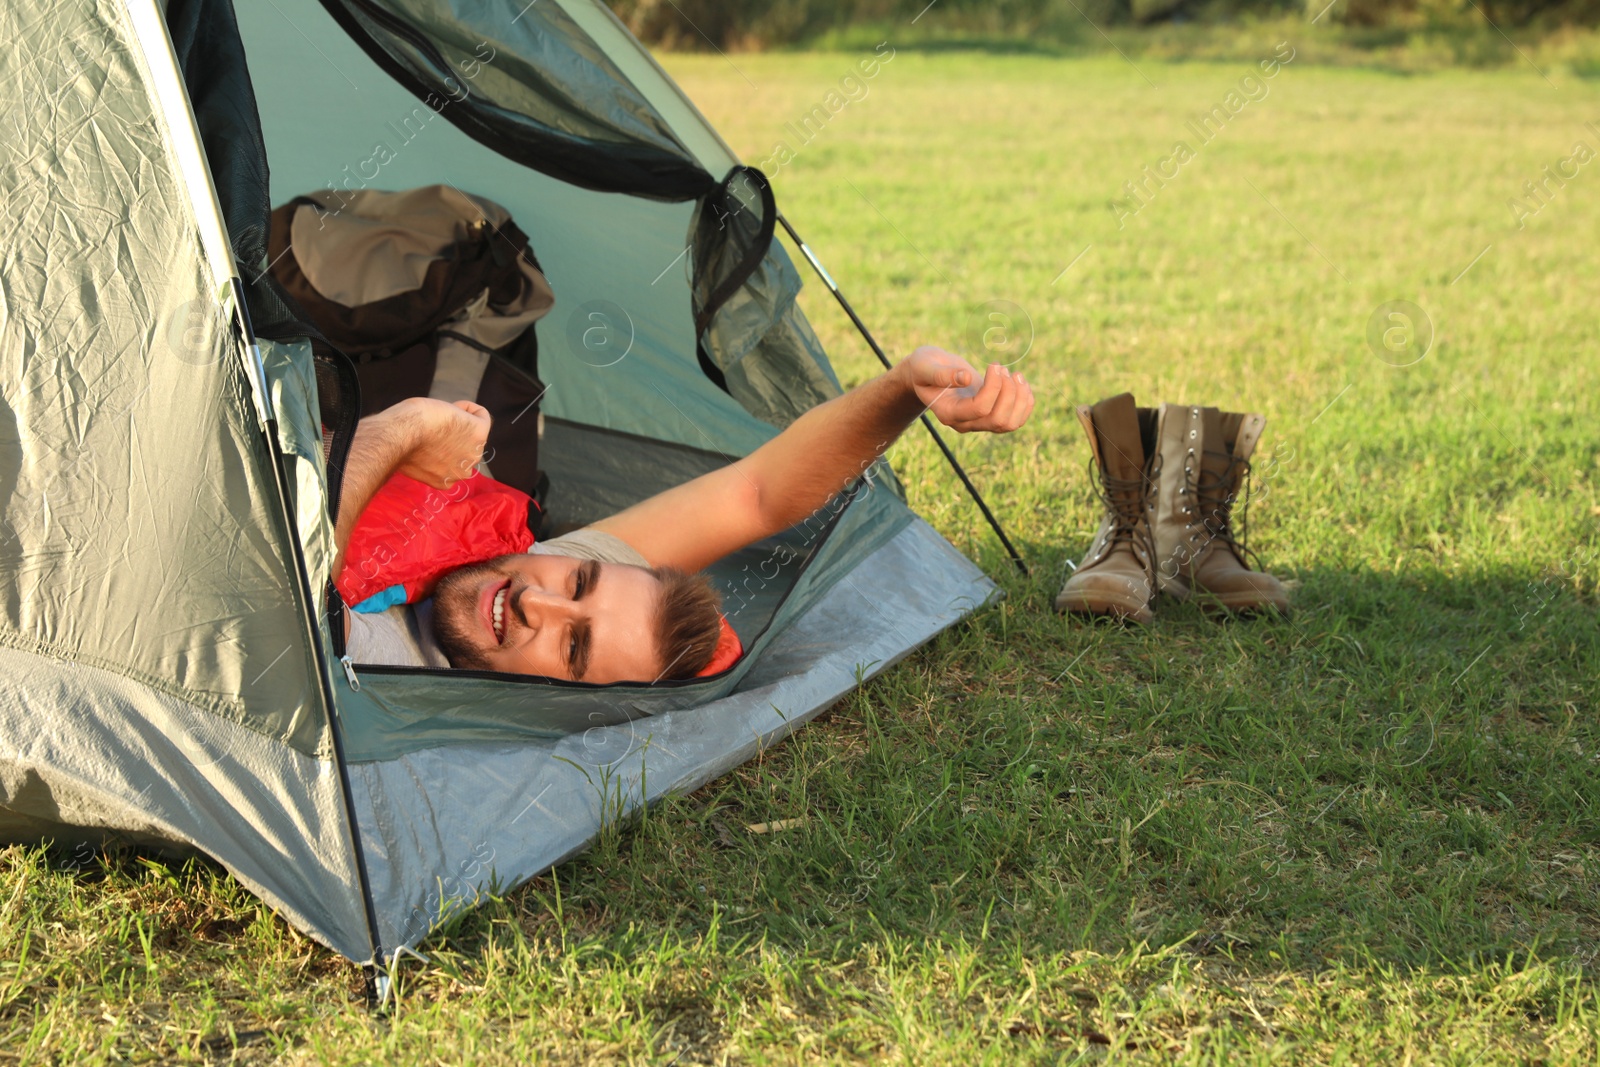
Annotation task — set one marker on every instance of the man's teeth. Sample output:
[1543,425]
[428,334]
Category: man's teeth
[500,615]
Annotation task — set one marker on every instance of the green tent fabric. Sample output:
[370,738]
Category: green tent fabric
[169,670]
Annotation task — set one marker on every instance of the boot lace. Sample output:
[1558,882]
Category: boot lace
[1215,499]
[1124,500]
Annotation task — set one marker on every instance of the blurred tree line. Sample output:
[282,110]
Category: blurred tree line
[742,24]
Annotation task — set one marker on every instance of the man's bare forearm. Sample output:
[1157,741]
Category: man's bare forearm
[826,448]
[381,444]
[819,454]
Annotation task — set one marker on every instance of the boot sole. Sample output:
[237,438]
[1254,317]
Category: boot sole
[1217,604]
[1175,589]
[1130,610]
[1245,607]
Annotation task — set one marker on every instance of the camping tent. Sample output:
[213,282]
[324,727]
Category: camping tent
[169,670]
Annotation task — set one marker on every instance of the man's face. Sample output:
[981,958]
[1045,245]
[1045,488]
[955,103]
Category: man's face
[552,616]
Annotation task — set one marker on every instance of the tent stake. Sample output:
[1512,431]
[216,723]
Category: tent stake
[955,464]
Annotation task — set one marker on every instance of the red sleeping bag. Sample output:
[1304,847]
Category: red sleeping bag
[411,535]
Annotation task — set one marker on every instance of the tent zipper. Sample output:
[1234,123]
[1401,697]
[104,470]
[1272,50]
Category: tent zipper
[350,672]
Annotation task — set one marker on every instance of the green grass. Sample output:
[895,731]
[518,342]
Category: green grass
[1370,831]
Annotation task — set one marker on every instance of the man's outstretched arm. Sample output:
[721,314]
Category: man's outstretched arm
[800,470]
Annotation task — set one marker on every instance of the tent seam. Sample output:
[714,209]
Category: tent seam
[224,707]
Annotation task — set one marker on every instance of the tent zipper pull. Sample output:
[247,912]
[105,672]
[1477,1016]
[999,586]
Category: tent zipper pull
[350,672]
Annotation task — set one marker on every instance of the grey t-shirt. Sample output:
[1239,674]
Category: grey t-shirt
[402,636]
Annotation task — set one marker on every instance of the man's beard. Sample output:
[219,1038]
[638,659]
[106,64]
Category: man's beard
[455,615]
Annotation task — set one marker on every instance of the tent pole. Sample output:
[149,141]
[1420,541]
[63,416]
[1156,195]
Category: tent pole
[269,431]
[955,464]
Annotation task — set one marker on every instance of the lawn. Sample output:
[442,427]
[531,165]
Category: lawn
[1371,830]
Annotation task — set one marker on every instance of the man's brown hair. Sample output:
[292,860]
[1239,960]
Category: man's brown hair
[688,623]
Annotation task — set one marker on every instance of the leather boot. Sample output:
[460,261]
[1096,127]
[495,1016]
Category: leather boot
[1204,456]
[1117,577]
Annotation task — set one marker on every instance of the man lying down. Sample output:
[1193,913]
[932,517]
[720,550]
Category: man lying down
[622,600]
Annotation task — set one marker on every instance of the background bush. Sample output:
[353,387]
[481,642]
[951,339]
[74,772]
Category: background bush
[752,24]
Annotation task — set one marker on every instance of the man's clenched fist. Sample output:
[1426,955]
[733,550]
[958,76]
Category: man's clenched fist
[446,441]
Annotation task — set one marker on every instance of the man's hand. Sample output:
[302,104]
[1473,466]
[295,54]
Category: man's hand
[948,386]
[447,440]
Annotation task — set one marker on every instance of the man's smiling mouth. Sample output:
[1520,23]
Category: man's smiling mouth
[492,608]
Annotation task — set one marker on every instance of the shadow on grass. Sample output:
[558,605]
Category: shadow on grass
[1403,771]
